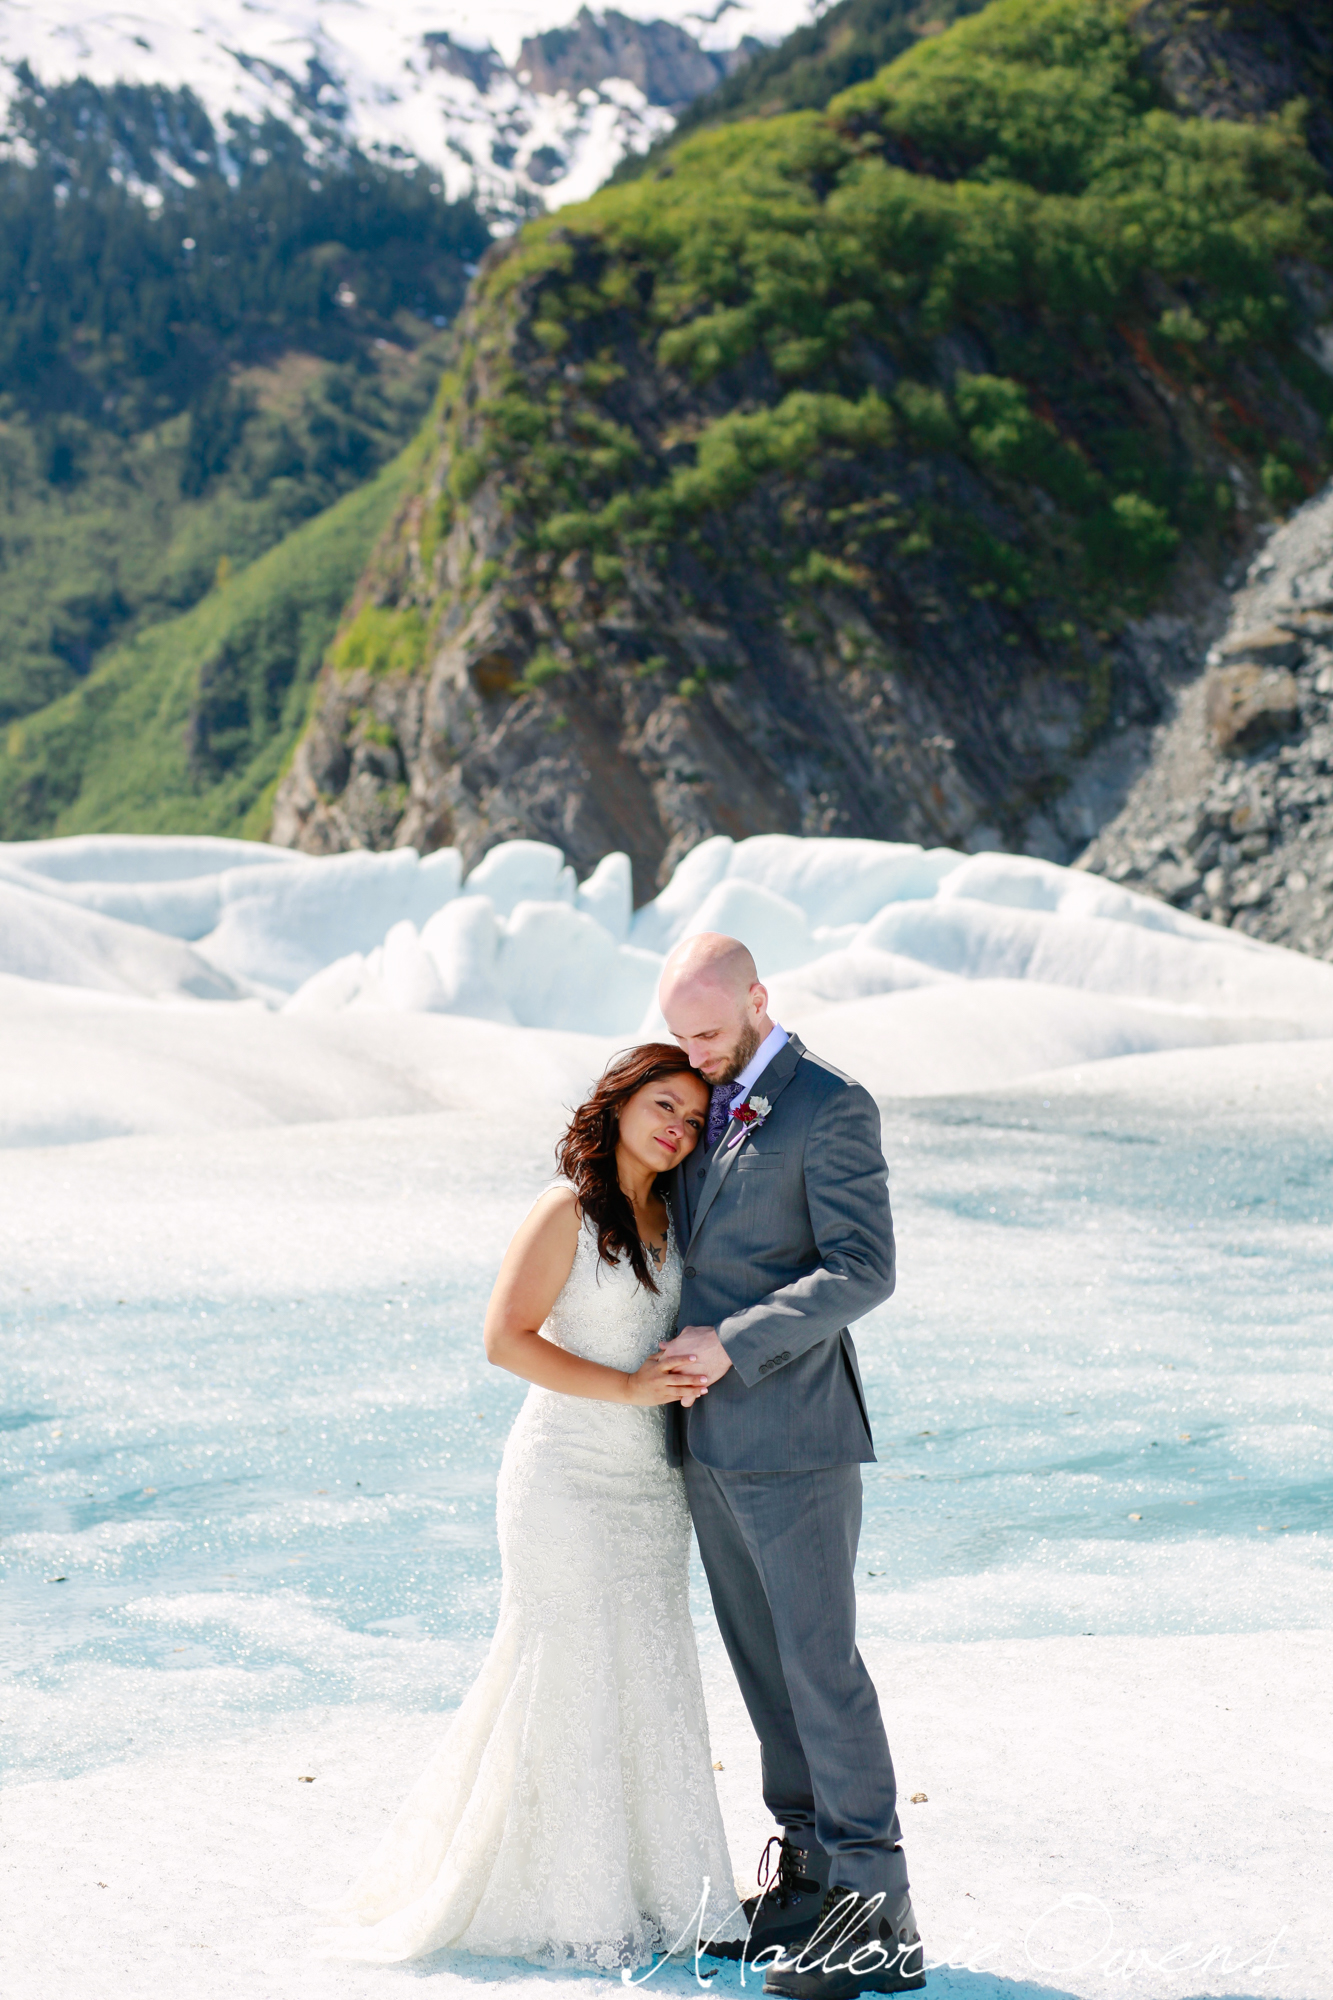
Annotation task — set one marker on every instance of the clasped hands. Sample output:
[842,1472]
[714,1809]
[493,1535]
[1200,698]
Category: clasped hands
[682,1368]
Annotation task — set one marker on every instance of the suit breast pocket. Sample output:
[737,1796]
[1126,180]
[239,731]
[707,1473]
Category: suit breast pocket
[757,1163]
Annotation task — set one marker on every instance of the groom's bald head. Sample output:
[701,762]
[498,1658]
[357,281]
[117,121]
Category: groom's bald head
[710,959]
[713,1004]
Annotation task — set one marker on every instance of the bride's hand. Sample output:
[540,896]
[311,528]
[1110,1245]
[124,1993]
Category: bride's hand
[666,1379]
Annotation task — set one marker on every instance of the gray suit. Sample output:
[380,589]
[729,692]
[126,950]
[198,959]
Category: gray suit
[787,1238]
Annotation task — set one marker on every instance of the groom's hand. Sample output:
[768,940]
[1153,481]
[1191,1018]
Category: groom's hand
[711,1358]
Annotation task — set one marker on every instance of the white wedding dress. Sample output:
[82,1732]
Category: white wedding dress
[570,1814]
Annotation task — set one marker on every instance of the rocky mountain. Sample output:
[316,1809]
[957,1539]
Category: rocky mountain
[1233,817]
[873,469]
[661,59]
[523,106]
[211,328]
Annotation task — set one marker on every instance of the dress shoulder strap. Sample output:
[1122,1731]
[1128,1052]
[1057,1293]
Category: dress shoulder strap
[562,1182]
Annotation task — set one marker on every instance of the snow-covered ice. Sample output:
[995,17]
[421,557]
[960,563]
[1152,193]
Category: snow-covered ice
[249,1440]
[927,970]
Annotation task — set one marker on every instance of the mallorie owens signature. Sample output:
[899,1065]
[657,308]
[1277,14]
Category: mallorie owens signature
[1044,1947]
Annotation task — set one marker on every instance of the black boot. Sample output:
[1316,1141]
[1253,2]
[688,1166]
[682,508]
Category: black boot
[787,1907]
[858,1946]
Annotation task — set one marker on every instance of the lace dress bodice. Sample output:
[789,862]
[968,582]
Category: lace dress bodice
[604,1314]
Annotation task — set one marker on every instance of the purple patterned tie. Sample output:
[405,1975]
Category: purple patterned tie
[719,1110]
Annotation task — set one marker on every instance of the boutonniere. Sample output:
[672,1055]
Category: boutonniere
[752,1113]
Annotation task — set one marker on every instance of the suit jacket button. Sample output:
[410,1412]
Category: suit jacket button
[689,1270]
[701,1174]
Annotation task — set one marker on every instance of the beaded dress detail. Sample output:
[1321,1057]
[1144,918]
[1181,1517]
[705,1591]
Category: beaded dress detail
[570,1815]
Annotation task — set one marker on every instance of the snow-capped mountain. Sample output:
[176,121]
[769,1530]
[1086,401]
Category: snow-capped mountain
[520,102]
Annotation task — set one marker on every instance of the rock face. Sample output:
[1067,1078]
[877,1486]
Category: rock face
[663,61]
[646,709]
[482,68]
[1247,704]
[1233,818]
[666,574]
[1233,62]
[1270,646]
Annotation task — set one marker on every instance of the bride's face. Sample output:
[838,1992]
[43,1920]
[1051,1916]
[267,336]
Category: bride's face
[660,1125]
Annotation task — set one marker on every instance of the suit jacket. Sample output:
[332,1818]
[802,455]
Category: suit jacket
[787,1237]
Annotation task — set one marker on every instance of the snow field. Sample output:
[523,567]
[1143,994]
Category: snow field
[245,1247]
[200,1872]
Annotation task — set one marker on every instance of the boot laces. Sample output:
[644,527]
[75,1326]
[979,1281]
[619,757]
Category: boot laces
[788,1883]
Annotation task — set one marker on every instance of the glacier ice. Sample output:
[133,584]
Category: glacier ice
[47,939]
[1052,965]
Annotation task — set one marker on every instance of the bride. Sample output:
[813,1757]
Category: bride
[570,1814]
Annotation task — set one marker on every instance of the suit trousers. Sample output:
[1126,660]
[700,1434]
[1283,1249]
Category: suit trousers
[779,1551]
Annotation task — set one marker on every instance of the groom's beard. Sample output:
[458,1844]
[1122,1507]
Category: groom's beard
[739,1056]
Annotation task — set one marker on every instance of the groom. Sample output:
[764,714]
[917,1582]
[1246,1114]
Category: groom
[783,1214]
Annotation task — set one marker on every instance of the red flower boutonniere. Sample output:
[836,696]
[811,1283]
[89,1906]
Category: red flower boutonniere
[746,1115]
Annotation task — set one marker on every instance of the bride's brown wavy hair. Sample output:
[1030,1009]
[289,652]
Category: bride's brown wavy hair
[587,1153]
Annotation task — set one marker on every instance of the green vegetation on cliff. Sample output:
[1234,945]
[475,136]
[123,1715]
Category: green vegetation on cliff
[1006,236]
[848,43]
[815,477]
[205,340]
[184,728]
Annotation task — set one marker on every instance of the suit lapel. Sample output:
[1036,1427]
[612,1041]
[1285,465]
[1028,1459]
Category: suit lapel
[770,1084]
[678,1198]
